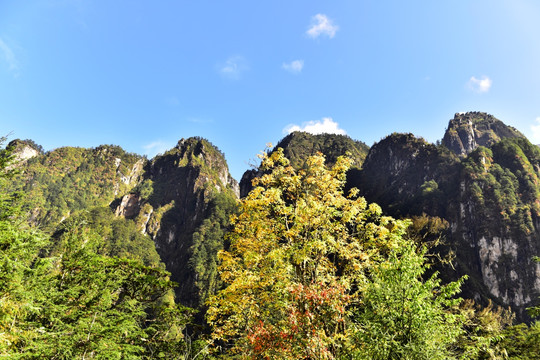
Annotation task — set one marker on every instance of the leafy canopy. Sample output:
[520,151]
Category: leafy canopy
[302,260]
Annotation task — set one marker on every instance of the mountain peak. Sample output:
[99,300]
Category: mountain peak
[24,150]
[469,130]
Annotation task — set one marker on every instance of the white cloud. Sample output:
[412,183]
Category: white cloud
[321,25]
[9,56]
[535,129]
[480,85]
[156,147]
[325,125]
[294,67]
[233,67]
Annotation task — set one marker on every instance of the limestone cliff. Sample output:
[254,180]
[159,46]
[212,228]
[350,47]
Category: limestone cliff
[469,130]
[490,196]
[496,221]
[22,151]
[173,202]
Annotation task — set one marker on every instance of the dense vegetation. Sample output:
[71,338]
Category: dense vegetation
[311,273]
[121,237]
[68,180]
[298,146]
[180,200]
[75,302]
[306,269]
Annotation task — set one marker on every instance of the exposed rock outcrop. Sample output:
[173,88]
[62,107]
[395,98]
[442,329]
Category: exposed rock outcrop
[467,131]
[23,150]
[490,197]
[129,206]
[407,175]
[246,183]
[179,187]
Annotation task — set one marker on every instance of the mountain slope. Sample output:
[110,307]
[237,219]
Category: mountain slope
[407,175]
[490,196]
[177,203]
[298,145]
[484,182]
[68,180]
[184,203]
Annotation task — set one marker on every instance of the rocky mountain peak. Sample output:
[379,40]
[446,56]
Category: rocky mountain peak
[469,130]
[398,168]
[23,150]
[299,145]
[198,153]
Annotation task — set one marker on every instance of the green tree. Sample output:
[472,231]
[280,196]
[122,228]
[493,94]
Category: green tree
[485,327]
[95,306]
[79,303]
[402,316]
[522,342]
[304,261]
[207,241]
[19,265]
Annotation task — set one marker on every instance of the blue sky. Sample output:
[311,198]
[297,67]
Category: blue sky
[144,74]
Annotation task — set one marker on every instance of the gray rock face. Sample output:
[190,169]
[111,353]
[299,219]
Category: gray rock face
[407,175]
[129,206]
[467,131]
[184,180]
[21,154]
[489,195]
[246,182]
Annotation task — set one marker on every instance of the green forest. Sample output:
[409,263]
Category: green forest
[300,268]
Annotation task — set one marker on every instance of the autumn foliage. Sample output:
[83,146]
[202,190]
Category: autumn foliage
[300,260]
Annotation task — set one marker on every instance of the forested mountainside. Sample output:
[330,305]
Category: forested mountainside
[286,284]
[176,205]
[483,181]
[297,146]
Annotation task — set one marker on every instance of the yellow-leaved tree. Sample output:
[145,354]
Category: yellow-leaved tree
[301,259]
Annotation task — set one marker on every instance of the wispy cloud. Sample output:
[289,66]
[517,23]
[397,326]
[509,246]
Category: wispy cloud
[156,147]
[9,57]
[535,129]
[321,25]
[324,126]
[233,67]
[479,85]
[172,101]
[294,67]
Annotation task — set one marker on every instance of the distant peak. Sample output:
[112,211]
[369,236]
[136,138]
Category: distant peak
[469,130]
[18,145]
[473,116]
